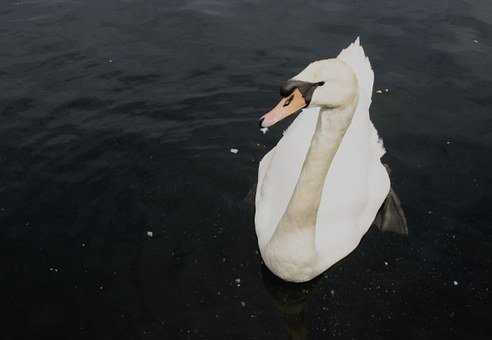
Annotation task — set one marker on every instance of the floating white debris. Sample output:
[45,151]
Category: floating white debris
[475,41]
[110,60]
[233,150]
[238,280]
[455,283]
[379,91]
[150,234]
[332,292]
[385,263]
[386,90]
[243,303]
[264,130]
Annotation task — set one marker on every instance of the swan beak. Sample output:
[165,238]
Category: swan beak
[288,105]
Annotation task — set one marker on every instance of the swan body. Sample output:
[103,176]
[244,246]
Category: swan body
[320,188]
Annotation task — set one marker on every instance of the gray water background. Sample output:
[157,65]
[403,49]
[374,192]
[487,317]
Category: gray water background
[117,118]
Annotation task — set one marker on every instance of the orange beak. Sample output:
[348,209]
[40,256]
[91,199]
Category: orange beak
[287,106]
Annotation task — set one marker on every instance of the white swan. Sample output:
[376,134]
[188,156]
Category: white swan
[320,188]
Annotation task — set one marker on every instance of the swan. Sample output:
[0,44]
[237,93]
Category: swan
[320,188]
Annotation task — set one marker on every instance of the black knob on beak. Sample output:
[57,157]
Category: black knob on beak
[260,121]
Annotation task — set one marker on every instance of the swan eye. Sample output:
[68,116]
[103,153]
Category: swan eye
[287,102]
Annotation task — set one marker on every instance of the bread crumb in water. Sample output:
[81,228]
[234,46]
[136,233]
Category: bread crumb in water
[150,234]
[233,150]
[264,130]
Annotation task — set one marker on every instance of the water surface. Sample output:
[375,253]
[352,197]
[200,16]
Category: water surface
[117,118]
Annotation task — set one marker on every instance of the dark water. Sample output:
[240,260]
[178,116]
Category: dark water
[117,118]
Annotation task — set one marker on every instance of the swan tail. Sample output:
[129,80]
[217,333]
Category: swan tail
[355,56]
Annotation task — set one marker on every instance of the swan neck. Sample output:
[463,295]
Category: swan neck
[330,129]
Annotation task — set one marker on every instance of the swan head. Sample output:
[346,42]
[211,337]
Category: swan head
[328,83]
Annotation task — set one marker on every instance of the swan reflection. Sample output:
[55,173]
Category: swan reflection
[290,300]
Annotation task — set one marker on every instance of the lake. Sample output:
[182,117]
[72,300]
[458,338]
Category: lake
[124,215]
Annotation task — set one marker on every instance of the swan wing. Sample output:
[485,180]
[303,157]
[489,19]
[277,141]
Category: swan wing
[357,183]
[279,171]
